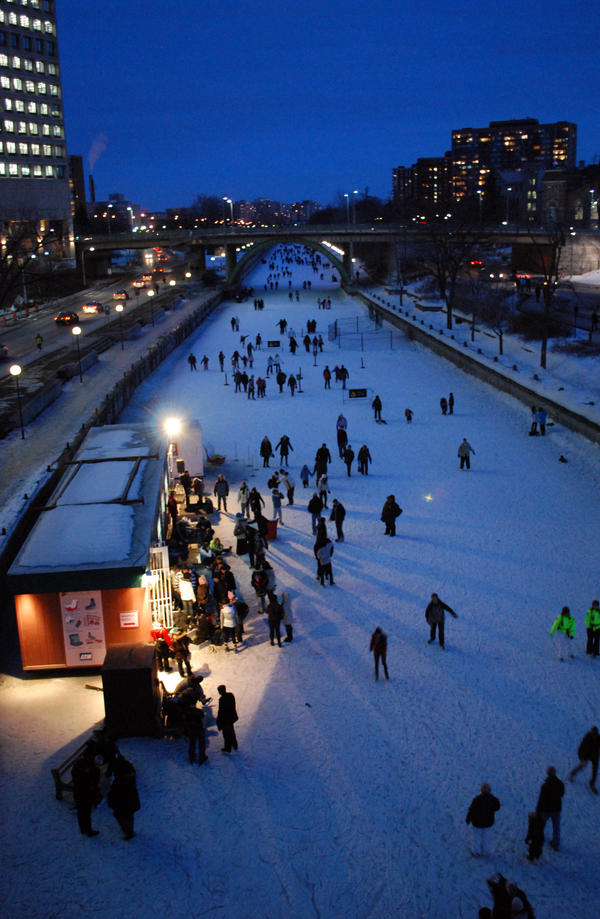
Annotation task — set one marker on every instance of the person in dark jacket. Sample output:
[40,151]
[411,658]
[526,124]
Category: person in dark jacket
[85,777]
[123,798]
[315,507]
[255,500]
[376,406]
[338,513]
[193,720]
[379,648]
[180,647]
[342,441]
[266,450]
[226,718]
[186,482]
[274,615]
[284,445]
[348,458]
[221,490]
[322,458]
[434,614]
[481,817]
[389,512]
[535,836]
[550,805]
[364,458]
[588,752]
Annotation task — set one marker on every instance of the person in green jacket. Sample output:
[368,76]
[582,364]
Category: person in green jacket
[592,624]
[564,624]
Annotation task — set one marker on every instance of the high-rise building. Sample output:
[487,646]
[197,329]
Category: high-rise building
[34,180]
[508,146]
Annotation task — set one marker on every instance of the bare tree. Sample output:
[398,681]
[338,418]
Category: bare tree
[548,257]
[451,241]
[19,249]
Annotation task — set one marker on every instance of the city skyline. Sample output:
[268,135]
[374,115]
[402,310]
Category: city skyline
[306,104]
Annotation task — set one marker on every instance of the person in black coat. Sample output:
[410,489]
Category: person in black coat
[266,450]
[123,796]
[550,804]
[435,616]
[315,507]
[85,777]
[322,458]
[275,616]
[389,512]
[480,815]
[364,458]
[348,458]
[193,720]
[226,718]
[376,406]
[588,752]
[342,441]
[535,836]
[338,513]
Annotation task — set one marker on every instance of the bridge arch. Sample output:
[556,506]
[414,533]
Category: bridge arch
[247,261]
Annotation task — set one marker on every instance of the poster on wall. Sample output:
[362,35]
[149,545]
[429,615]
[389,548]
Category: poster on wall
[130,620]
[83,628]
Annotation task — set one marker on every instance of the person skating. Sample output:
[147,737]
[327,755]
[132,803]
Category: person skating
[226,719]
[480,815]
[389,513]
[274,616]
[376,406]
[444,405]
[338,513]
[192,362]
[464,451]
[588,752]
[315,507]
[284,446]
[288,482]
[435,616]
[123,798]
[378,646]
[549,805]
[564,624]
[266,450]
[305,475]
[364,458]
[535,836]
[349,458]
[324,552]
[408,414]
[592,625]
[243,497]
[322,460]
[451,404]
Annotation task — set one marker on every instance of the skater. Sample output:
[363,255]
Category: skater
[338,513]
[288,618]
[305,475]
[243,497]
[348,458]
[435,616]
[323,489]
[287,481]
[85,777]
[564,624]
[592,625]
[204,362]
[123,798]
[364,458]
[274,616]
[535,836]
[266,451]
[342,441]
[451,404]
[549,805]
[389,512]
[481,817]
[379,648]
[327,378]
[408,414]
[292,383]
[533,431]
[221,490]
[284,446]
[322,459]
[464,450]
[192,362]
[542,416]
[226,719]
[323,552]
[221,361]
[376,406]
[444,405]
[276,497]
[588,752]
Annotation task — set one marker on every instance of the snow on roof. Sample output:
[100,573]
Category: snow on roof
[102,514]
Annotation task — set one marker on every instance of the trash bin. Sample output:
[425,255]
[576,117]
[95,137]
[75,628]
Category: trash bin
[131,692]
[271,530]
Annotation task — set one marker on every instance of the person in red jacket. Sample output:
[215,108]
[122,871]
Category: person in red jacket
[379,648]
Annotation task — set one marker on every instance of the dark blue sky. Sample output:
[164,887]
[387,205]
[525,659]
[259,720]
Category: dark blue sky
[308,100]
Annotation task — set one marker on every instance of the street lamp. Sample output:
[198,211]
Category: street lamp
[151,294]
[119,309]
[83,254]
[76,330]
[109,215]
[354,193]
[230,203]
[508,191]
[347,197]
[172,282]
[188,274]
[15,371]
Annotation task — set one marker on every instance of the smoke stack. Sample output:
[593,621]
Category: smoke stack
[92,190]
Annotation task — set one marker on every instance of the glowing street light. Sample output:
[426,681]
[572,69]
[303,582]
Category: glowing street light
[15,371]
[172,427]
[172,282]
[151,294]
[76,330]
[230,203]
[188,274]
[83,254]
[119,309]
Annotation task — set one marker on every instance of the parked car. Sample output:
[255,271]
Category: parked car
[120,295]
[92,307]
[3,352]
[66,318]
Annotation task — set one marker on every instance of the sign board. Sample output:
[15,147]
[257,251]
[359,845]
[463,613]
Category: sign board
[357,393]
[129,620]
[273,344]
[83,628]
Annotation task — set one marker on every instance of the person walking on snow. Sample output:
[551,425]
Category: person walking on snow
[389,512]
[338,513]
[364,458]
[284,446]
[227,718]
[192,362]
[376,406]
[549,804]
[221,490]
[592,625]
[481,815]
[305,475]
[588,752]
[379,648]
[464,450]
[564,624]
[266,450]
[435,616]
[348,458]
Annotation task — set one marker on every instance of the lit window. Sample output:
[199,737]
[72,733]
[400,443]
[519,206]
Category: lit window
[16,62]
[2,169]
[3,60]
[37,25]
[24,22]
[8,104]
[32,107]
[5,82]
[13,169]
[53,89]
[1,147]
[33,128]
[27,64]
[49,171]
[49,27]
[59,151]
[47,150]
[26,170]
[19,105]
[40,67]
[37,170]
[53,70]
[11,147]
[2,16]
[22,127]
[57,131]
[9,126]
[42,88]
[35,149]
[44,108]
[17,84]
[46,130]
[12,19]
[23,149]
[29,86]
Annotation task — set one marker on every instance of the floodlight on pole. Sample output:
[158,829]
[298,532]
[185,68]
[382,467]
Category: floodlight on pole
[76,330]
[119,309]
[15,371]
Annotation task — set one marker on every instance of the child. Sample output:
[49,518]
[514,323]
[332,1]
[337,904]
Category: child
[305,475]
[535,836]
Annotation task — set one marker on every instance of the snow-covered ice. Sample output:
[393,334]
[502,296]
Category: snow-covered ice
[348,796]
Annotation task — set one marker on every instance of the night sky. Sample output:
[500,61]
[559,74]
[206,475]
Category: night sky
[308,100]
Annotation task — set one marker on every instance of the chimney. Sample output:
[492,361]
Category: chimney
[92,190]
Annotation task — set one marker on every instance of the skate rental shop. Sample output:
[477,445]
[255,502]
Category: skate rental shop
[93,571]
